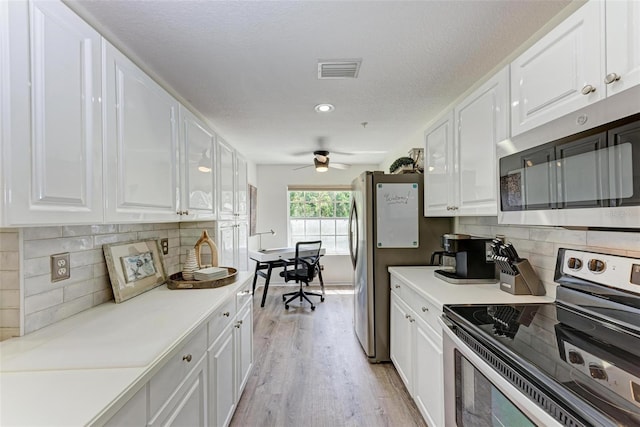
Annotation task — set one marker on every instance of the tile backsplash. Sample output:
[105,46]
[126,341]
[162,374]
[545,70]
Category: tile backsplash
[46,302]
[540,243]
[9,283]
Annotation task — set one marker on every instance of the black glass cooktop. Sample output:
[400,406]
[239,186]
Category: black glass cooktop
[592,363]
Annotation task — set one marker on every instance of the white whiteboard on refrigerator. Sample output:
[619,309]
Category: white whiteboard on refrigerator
[397,215]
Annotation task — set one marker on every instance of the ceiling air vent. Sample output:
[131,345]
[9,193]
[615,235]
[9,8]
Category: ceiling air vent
[339,69]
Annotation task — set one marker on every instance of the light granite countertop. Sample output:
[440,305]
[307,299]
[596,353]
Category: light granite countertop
[439,292]
[81,370]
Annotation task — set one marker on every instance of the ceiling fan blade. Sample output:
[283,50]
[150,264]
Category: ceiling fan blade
[301,167]
[339,166]
[351,153]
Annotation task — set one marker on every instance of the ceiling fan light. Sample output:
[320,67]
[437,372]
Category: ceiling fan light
[321,166]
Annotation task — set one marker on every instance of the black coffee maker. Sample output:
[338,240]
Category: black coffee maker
[473,259]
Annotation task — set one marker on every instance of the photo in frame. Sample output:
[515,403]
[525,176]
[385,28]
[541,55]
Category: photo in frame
[134,267]
[253,202]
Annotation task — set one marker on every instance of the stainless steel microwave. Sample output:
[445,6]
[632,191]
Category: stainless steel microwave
[588,179]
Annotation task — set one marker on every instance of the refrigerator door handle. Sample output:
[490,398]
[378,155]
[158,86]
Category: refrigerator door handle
[353,251]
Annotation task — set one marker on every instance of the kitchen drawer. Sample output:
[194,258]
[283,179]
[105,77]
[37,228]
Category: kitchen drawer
[243,295]
[174,372]
[221,318]
[419,304]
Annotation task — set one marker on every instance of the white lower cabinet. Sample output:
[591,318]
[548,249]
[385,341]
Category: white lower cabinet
[133,413]
[230,360]
[244,347]
[187,406]
[428,390]
[201,383]
[416,350]
[401,340]
[222,399]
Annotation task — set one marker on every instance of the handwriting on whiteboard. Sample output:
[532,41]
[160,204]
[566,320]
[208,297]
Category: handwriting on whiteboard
[397,199]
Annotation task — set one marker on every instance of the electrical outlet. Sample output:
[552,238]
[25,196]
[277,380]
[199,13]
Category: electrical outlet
[60,267]
[165,246]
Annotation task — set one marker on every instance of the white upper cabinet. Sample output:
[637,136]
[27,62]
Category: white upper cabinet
[226,177]
[241,187]
[562,72]
[593,54]
[51,154]
[623,45]
[460,153]
[141,146]
[481,122]
[232,183]
[197,157]
[439,178]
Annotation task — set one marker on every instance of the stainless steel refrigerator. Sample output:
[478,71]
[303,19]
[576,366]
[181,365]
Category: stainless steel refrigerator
[371,256]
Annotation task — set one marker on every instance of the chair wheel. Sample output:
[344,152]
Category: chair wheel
[313,307]
[286,307]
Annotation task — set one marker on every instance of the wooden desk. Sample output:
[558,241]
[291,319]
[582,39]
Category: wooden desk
[268,259]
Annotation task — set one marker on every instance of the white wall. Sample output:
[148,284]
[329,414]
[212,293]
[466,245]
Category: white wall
[273,181]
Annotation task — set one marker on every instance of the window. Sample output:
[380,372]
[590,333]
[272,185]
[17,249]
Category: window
[320,215]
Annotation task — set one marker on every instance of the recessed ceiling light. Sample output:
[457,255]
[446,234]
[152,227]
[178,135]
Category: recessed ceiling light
[324,108]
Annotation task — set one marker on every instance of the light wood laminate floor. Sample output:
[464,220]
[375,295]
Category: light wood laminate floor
[311,371]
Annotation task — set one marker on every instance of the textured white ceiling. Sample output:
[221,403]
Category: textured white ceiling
[250,67]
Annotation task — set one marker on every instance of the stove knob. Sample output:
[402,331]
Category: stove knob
[596,266]
[575,358]
[574,263]
[597,372]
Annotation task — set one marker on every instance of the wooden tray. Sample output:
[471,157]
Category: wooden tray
[175,281]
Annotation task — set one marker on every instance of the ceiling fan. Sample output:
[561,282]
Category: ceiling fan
[321,157]
[321,162]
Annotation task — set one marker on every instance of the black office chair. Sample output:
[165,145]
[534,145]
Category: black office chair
[306,266]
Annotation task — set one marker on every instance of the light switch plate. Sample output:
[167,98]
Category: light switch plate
[165,246]
[60,267]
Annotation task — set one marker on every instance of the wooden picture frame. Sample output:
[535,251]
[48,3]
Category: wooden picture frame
[134,267]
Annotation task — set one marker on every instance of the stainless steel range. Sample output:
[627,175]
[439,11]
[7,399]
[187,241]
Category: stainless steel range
[575,362]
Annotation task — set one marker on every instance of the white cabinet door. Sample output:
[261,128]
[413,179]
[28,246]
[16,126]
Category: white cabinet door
[428,383]
[52,158]
[222,391]
[401,337]
[197,157]
[187,407]
[548,80]
[226,178]
[242,245]
[141,177]
[623,45]
[439,178]
[244,347]
[225,235]
[241,187]
[481,122]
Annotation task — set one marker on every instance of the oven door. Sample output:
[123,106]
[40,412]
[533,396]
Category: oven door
[477,395]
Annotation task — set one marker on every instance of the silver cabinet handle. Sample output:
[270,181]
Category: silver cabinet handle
[407,316]
[611,77]
[588,89]
[411,320]
[226,314]
[186,212]
[425,309]
[187,358]
[397,286]
[237,325]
